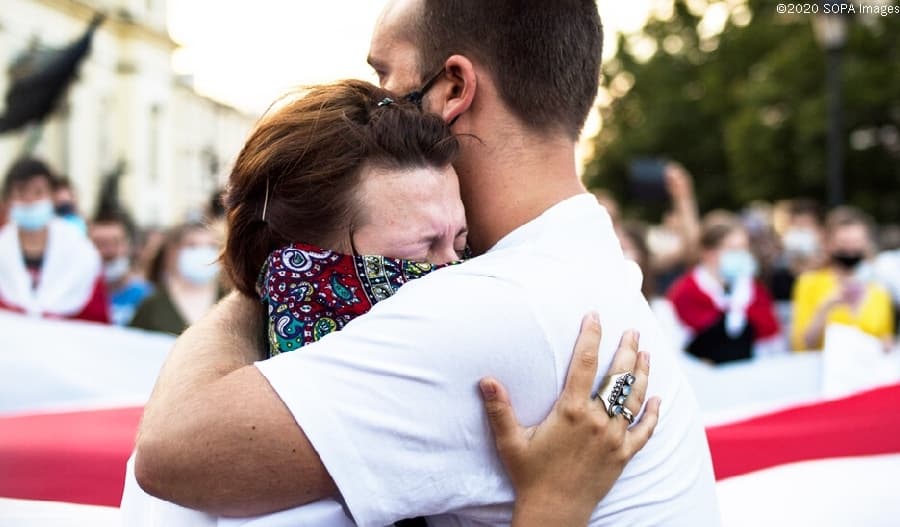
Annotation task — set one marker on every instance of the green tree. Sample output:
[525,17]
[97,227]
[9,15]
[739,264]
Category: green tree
[745,109]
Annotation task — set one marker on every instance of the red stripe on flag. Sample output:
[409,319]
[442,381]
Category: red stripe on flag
[860,425]
[76,457]
[80,457]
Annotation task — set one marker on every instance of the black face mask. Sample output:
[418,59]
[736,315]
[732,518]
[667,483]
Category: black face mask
[416,96]
[847,260]
[65,209]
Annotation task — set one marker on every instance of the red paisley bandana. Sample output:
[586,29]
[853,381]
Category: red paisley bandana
[310,292]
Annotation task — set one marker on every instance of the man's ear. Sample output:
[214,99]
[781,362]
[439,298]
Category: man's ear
[458,97]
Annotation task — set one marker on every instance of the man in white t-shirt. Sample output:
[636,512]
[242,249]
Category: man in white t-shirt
[385,415]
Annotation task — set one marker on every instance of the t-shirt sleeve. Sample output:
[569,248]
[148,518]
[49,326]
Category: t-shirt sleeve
[391,402]
[803,311]
[884,313]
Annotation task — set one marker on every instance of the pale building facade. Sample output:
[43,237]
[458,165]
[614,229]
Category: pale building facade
[126,105]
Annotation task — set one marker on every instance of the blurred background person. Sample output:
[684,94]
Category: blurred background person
[4,212]
[214,218]
[632,237]
[65,203]
[726,313]
[47,267]
[843,292]
[801,242]
[609,202]
[148,243]
[887,266]
[757,218]
[674,244]
[113,233]
[184,275]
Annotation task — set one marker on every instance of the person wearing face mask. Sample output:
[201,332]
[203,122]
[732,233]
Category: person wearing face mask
[65,203]
[802,247]
[113,234]
[47,267]
[842,292]
[184,274]
[725,312]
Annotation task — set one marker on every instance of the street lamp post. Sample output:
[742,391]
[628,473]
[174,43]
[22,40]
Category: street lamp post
[830,28]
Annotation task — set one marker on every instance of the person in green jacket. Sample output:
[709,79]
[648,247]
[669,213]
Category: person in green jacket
[185,276]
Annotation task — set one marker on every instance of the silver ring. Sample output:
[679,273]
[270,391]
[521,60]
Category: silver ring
[626,413]
[613,391]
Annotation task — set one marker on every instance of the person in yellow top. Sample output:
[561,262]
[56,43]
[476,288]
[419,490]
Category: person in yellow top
[838,293]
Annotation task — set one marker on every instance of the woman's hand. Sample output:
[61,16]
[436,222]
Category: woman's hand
[564,466]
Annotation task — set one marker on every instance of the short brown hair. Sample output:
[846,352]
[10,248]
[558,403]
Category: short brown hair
[24,170]
[174,236]
[714,232]
[306,157]
[544,55]
[845,216]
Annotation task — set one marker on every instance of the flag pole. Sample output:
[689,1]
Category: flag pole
[32,139]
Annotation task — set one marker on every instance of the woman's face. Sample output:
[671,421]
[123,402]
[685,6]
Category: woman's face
[849,239]
[413,214]
[194,258]
[198,238]
[736,240]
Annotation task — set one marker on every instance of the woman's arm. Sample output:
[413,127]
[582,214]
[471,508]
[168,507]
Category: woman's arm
[815,332]
[564,466]
[681,188]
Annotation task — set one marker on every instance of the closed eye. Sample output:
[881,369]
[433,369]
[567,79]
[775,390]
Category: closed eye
[460,245]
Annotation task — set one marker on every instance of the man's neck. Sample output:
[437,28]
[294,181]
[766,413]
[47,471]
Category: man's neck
[34,243]
[506,186]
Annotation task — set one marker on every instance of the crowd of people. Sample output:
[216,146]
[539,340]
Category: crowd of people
[56,263]
[757,282]
[400,380]
[766,279]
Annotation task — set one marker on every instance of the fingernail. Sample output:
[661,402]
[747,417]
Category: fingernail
[488,390]
[646,355]
[594,317]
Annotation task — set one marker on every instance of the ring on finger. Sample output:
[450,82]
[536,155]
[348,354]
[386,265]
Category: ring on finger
[626,413]
[613,391]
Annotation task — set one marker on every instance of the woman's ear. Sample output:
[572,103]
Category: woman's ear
[456,98]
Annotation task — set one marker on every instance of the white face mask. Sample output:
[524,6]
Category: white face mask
[117,269]
[800,242]
[198,265]
[735,264]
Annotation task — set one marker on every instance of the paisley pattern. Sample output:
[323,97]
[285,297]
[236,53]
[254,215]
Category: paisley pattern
[310,292]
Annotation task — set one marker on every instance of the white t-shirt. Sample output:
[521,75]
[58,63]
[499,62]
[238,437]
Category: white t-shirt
[391,402]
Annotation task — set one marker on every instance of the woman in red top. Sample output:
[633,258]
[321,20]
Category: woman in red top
[727,314]
[47,267]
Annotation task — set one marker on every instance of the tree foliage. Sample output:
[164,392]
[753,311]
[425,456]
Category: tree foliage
[745,109]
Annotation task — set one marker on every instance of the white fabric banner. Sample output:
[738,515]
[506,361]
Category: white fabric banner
[60,365]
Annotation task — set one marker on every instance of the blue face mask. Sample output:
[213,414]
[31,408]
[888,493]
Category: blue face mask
[32,216]
[735,264]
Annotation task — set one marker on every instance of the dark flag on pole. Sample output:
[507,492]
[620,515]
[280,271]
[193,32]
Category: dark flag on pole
[39,83]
